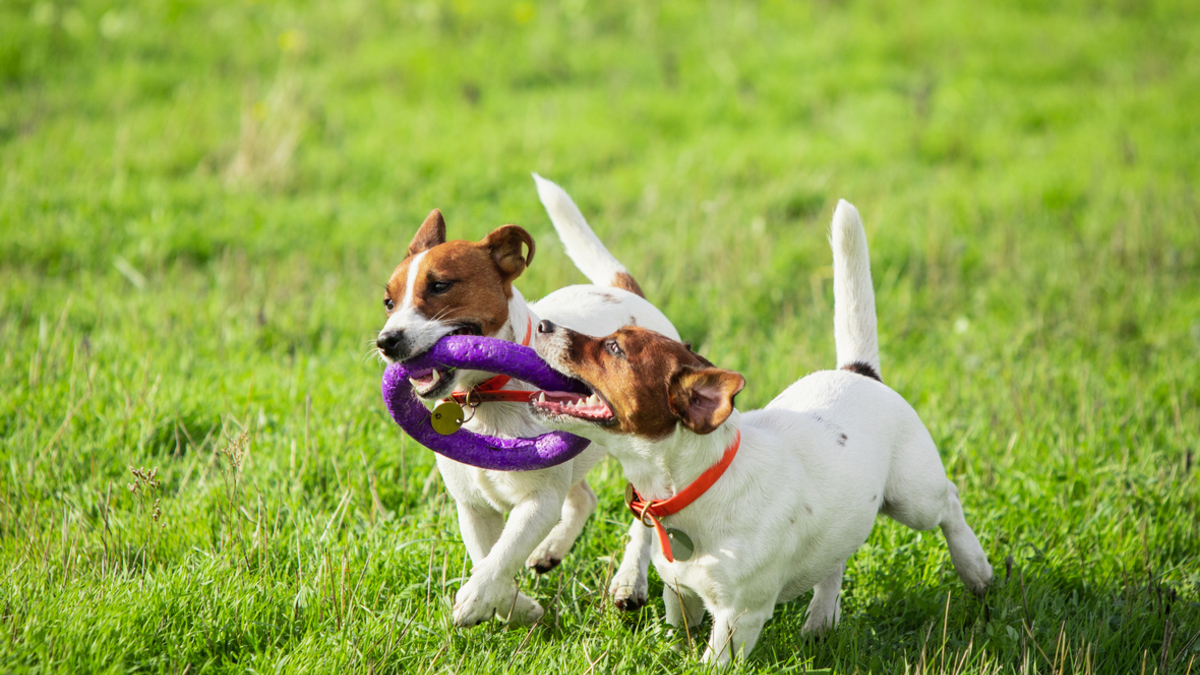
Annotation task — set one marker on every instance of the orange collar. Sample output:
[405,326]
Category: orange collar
[489,390]
[661,508]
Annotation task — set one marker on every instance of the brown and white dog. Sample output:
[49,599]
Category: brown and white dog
[802,481]
[460,287]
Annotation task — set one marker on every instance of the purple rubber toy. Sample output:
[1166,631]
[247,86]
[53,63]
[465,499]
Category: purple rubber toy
[486,452]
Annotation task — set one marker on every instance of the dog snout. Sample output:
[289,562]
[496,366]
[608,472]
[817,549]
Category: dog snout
[393,345]
[546,326]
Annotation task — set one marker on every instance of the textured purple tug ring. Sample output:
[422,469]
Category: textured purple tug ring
[486,452]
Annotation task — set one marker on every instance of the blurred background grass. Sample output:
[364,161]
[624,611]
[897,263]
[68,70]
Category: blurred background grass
[200,202]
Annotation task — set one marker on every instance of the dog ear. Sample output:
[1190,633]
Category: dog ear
[702,398]
[505,245]
[432,233]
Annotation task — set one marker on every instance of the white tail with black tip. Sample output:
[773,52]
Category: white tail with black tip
[854,323]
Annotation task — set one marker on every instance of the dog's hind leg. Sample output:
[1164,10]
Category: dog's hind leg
[968,557]
[629,586]
[826,607]
[578,505]
[924,500]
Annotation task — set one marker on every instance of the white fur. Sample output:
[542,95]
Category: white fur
[547,508]
[854,330]
[417,328]
[813,470]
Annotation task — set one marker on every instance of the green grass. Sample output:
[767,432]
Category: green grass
[200,202]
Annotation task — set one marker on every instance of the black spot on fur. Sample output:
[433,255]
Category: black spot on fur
[609,298]
[863,369]
[842,439]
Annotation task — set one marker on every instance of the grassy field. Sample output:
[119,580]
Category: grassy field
[201,201]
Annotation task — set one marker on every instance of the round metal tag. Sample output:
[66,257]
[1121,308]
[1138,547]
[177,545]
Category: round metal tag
[682,547]
[446,418]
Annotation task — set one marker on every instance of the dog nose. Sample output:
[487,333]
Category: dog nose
[390,343]
[546,326]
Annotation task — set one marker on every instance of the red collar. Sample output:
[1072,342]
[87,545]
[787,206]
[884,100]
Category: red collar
[661,508]
[489,390]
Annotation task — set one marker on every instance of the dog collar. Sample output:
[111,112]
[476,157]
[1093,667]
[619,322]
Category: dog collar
[490,390]
[661,508]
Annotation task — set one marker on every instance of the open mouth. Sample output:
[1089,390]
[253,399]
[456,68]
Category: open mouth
[427,383]
[590,408]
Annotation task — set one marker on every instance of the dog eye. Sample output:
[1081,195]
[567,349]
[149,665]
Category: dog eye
[613,348]
[440,286]
[388,304]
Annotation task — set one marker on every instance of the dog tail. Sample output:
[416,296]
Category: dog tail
[854,326]
[583,247]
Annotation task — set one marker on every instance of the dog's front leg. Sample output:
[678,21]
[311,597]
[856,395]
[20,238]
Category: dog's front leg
[629,585]
[491,589]
[684,612]
[734,633]
[576,508]
[480,527]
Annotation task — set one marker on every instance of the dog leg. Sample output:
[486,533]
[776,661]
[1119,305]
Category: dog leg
[968,557]
[491,590]
[629,585]
[684,612]
[480,528]
[826,607]
[928,500]
[734,633]
[578,505]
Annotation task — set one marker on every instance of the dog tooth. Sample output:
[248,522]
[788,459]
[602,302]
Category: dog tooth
[542,397]
[593,400]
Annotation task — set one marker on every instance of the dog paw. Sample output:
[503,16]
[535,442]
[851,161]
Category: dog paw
[548,555]
[477,602]
[816,627]
[628,597]
[542,563]
[524,612]
[820,623]
[975,572]
[980,579]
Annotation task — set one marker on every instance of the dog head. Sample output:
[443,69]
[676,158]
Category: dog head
[450,288]
[643,384]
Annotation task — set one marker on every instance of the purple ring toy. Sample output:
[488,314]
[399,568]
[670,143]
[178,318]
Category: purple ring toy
[485,452]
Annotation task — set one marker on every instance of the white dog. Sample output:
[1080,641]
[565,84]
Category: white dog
[458,287]
[801,491]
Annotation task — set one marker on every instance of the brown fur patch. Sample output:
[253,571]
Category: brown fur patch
[624,281]
[863,369]
[654,382]
[431,233]
[479,274]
